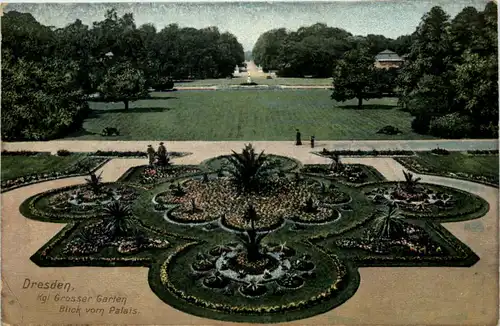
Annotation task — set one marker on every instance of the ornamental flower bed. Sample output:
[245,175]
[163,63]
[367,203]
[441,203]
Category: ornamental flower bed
[83,198]
[285,268]
[96,236]
[422,199]
[219,198]
[351,173]
[327,153]
[154,175]
[417,242]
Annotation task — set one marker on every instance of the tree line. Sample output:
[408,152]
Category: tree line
[449,81]
[312,50]
[49,72]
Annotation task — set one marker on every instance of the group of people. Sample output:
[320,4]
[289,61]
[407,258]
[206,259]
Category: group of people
[298,141]
[160,155]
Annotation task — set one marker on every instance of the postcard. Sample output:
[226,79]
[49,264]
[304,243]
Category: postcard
[247,162]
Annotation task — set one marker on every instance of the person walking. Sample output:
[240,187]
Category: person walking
[151,154]
[298,141]
[312,141]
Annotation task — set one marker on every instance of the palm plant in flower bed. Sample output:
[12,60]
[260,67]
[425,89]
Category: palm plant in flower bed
[409,189]
[94,182]
[336,165]
[410,182]
[390,224]
[390,233]
[95,236]
[117,220]
[250,238]
[249,169]
[89,240]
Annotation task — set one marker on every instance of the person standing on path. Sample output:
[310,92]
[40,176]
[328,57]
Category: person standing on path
[162,154]
[298,141]
[151,155]
[312,141]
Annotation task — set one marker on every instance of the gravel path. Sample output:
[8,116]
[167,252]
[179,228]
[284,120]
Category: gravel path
[284,147]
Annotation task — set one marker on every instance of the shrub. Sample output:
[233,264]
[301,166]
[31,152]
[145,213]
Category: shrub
[451,125]
[420,124]
[269,77]
[483,152]
[440,151]
[110,131]
[389,130]
[23,153]
[163,84]
[63,152]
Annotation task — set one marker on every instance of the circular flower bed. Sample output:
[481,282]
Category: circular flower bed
[291,281]
[240,262]
[421,198]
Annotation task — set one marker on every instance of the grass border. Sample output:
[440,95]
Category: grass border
[443,175]
[62,176]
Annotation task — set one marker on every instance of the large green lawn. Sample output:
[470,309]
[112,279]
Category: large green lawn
[17,166]
[246,115]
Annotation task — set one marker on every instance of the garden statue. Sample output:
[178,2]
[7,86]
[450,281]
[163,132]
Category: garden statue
[151,154]
[312,141]
[297,138]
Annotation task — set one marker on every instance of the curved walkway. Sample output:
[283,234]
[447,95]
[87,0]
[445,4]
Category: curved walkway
[386,295]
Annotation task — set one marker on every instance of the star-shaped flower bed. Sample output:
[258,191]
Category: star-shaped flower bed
[289,250]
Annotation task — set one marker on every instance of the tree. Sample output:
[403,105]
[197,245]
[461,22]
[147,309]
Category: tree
[476,86]
[311,50]
[425,77]
[402,44]
[385,80]
[377,43]
[353,77]
[266,50]
[40,100]
[123,82]
[25,37]
[465,31]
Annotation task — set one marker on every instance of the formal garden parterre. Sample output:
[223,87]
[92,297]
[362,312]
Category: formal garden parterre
[254,237]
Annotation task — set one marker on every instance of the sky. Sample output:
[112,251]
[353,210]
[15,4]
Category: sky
[247,20]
